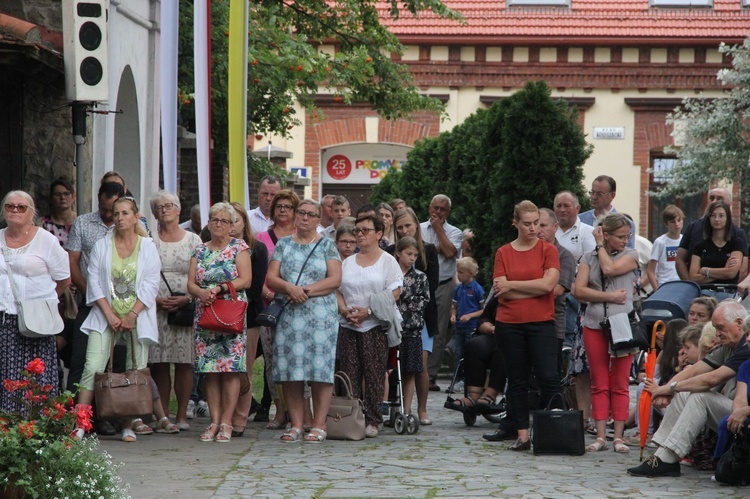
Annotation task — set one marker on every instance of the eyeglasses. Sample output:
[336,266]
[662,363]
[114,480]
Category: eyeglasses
[626,237]
[362,230]
[220,221]
[310,214]
[20,208]
[165,206]
[284,207]
[346,242]
[597,194]
[65,194]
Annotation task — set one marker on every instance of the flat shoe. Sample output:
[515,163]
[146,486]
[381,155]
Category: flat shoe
[225,434]
[520,445]
[209,434]
[238,433]
[128,435]
[292,435]
[166,426]
[276,425]
[499,435]
[599,444]
[425,421]
[619,446]
[462,405]
[141,428]
[183,426]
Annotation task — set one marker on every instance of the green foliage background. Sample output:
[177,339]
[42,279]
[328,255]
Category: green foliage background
[526,146]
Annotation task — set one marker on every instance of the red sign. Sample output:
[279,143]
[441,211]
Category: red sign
[339,167]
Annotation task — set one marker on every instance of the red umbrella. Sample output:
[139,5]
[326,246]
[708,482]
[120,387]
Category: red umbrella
[644,403]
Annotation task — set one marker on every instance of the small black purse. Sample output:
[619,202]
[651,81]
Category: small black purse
[558,431]
[183,317]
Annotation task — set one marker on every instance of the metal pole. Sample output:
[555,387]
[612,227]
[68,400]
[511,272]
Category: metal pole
[79,138]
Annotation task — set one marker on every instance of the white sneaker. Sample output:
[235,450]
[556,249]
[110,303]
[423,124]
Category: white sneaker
[202,409]
[371,431]
[191,409]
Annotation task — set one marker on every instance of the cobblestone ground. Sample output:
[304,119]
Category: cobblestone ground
[446,459]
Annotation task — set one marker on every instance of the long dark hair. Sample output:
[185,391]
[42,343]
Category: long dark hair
[708,230]
[670,351]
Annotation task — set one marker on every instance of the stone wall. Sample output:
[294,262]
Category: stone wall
[45,13]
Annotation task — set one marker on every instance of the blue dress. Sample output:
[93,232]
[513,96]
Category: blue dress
[304,342]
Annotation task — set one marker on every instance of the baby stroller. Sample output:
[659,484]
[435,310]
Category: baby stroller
[494,413]
[400,422]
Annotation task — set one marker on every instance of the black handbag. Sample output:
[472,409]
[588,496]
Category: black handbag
[637,327]
[733,467]
[184,316]
[558,431]
[270,315]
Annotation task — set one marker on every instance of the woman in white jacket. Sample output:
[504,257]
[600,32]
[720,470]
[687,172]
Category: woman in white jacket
[123,283]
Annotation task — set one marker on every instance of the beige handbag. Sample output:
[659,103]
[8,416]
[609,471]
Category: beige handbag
[346,416]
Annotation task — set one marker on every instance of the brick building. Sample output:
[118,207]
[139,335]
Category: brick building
[624,63]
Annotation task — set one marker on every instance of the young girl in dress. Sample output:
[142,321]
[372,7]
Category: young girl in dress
[412,303]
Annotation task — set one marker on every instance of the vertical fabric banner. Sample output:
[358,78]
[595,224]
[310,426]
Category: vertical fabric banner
[237,88]
[170,12]
[202,37]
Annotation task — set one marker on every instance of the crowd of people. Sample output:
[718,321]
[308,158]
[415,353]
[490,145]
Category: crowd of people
[356,285]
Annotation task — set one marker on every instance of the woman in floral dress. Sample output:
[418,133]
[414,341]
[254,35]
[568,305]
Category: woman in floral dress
[220,356]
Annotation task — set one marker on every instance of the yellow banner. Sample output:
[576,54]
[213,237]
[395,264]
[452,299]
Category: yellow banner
[237,88]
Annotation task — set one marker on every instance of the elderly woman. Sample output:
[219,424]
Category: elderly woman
[259,263]
[306,270]
[607,277]
[365,277]
[40,272]
[122,286]
[176,344]
[283,208]
[406,224]
[221,357]
[526,272]
[717,259]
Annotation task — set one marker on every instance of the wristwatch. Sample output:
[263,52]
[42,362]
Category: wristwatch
[596,248]
[673,387]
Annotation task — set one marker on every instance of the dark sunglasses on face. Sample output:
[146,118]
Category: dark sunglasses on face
[20,208]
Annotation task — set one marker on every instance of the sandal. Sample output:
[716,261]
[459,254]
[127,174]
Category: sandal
[224,435]
[316,436]
[277,425]
[461,405]
[486,404]
[619,446]
[128,435]
[599,444]
[291,436]
[141,428]
[209,434]
[166,426]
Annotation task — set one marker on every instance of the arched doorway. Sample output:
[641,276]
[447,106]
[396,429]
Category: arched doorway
[127,139]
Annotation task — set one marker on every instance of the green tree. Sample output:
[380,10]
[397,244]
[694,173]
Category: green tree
[286,67]
[716,132]
[527,146]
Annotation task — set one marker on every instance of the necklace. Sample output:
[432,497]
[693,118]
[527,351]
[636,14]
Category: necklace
[18,237]
[305,243]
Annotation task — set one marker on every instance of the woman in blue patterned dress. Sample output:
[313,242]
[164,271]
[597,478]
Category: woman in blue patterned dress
[304,343]
[220,356]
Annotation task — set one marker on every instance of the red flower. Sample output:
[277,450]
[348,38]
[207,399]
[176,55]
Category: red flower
[13,385]
[35,366]
[27,429]
[83,416]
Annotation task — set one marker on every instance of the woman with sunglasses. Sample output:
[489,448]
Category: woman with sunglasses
[306,271]
[40,272]
[221,357]
[607,276]
[363,345]
[283,207]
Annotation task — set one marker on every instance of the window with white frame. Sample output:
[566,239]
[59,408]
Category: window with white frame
[682,4]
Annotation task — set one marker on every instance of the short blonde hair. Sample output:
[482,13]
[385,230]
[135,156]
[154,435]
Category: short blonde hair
[225,207]
[467,263]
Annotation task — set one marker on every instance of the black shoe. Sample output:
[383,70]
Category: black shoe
[519,445]
[499,435]
[653,466]
[261,416]
[434,386]
[254,407]
[104,427]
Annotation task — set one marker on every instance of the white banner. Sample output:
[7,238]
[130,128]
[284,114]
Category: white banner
[361,163]
[169,35]
[202,104]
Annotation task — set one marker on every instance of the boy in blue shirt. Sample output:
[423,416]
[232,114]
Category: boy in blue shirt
[468,302]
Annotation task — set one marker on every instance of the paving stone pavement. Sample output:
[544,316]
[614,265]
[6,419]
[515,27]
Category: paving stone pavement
[446,459]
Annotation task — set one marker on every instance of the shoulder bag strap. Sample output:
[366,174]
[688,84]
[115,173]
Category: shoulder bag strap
[306,259]
[165,282]
[601,274]
[274,239]
[11,278]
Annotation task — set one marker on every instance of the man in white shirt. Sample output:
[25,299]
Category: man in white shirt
[572,234]
[603,191]
[260,217]
[194,224]
[326,212]
[447,240]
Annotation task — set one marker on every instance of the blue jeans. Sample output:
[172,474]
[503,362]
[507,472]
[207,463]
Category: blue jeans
[460,337]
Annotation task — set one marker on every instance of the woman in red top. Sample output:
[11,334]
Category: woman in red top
[526,272]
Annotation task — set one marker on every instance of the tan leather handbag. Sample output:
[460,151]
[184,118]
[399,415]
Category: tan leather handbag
[346,416]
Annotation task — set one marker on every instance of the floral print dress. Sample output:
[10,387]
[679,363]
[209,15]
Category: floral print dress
[218,352]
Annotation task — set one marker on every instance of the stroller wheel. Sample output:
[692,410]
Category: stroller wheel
[412,424]
[399,424]
[470,417]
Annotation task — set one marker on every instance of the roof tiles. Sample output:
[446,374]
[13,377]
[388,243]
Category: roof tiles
[584,18]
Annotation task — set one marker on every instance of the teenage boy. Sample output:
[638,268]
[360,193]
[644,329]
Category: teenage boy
[662,267]
[340,209]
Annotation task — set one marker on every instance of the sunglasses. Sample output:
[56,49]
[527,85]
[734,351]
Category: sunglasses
[20,208]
